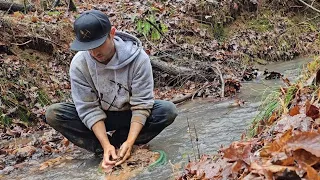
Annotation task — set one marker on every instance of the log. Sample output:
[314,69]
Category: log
[71,5]
[170,69]
[12,7]
[36,43]
[182,99]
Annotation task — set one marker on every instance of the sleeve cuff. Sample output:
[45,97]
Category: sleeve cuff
[140,116]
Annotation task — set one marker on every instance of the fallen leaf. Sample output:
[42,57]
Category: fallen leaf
[298,122]
[308,141]
[17,14]
[34,19]
[25,151]
[47,148]
[282,159]
[312,111]
[303,156]
[294,111]
[277,145]
[239,151]
[65,142]
[312,174]
[271,167]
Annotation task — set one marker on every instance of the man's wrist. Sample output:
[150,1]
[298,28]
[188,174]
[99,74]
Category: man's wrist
[131,141]
[106,145]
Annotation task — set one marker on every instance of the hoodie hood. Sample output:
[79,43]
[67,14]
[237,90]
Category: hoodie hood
[127,46]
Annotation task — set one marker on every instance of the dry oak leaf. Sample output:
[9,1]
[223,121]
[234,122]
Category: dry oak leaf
[312,111]
[276,145]
[239,151]
[309,141]
[312,174]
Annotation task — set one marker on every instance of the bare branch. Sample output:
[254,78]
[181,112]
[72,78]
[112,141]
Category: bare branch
[310,6]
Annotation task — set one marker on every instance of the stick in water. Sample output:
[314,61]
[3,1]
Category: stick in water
[194,153]
[197,141]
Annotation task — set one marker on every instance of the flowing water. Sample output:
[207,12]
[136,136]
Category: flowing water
[216,124]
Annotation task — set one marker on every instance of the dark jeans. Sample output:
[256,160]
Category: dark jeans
[64,118]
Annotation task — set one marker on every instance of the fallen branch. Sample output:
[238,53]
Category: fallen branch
[168,68]
[12,7]
[182,99]
[189,96]
[21,44]
[315,9]
[36,43]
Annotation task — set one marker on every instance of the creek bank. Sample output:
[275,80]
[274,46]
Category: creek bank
[281,143]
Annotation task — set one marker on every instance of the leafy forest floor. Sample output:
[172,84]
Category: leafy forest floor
[198,50]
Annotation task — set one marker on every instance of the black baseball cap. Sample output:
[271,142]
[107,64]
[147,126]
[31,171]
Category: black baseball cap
[92,29]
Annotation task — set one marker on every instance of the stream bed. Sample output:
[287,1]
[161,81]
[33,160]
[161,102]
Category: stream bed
[216,124]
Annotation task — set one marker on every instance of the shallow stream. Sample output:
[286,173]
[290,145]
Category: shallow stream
[216,124]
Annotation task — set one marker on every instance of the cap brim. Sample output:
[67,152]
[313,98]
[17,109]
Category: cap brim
[77,45]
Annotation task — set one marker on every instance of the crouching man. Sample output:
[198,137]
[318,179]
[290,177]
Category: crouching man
[112,90]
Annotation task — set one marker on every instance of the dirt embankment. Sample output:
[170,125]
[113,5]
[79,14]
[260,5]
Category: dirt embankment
[197,50]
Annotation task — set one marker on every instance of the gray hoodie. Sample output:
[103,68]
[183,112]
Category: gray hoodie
[125,83]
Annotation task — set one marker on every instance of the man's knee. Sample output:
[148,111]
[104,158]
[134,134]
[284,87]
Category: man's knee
[51,114]
[170,110]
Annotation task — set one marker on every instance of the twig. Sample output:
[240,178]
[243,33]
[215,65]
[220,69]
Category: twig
[244,70]
[176,101]
[222,81]
[43,38]
[9,8]
[189,129]
[22,43]
[315,9]
[197,141]
[204,86]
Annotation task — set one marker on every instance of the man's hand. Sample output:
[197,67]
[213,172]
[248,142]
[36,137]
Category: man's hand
[125,151]
[108,152]
[126,147]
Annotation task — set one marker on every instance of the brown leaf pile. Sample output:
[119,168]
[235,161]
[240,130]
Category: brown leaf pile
[287,146]
[17,154]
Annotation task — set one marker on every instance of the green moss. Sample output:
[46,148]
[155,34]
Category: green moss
[54,13]
[261,24]
[219,32]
